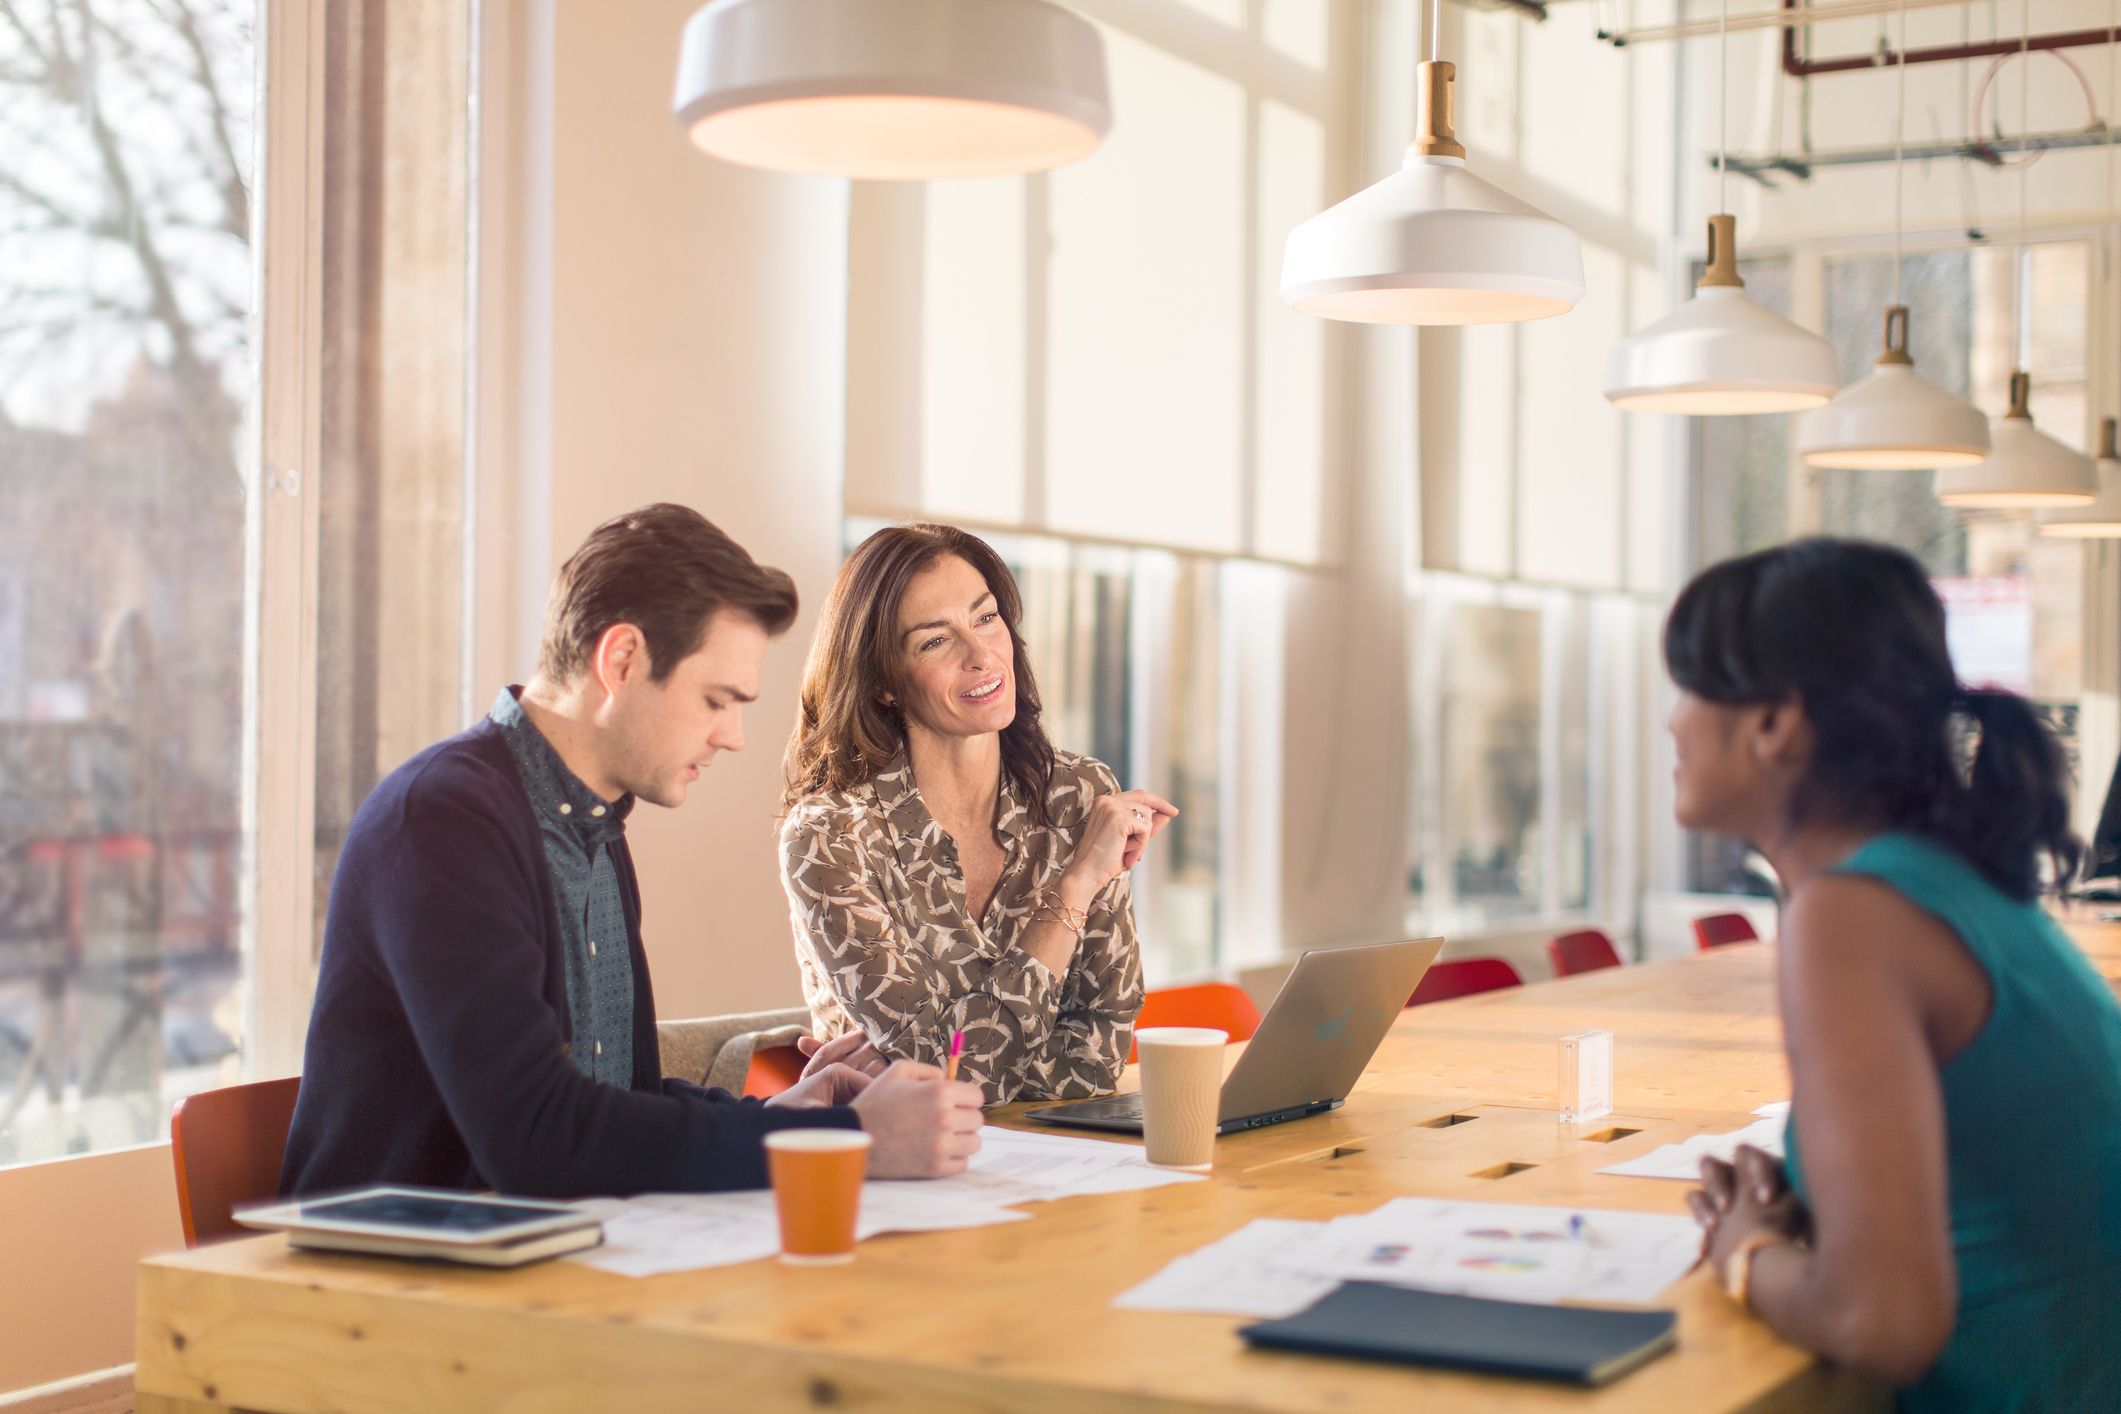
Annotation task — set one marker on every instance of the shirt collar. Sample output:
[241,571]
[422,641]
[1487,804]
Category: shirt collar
[900,797]
[556,793]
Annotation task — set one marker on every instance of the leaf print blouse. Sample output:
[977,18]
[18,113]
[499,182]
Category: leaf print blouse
[888,946]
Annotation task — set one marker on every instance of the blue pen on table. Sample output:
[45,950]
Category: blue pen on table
[1576,1226]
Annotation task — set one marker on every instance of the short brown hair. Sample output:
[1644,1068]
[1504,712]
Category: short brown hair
[666,570]
[844,734]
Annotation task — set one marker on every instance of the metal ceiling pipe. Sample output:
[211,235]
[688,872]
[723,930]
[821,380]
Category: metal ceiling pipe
[1799,67]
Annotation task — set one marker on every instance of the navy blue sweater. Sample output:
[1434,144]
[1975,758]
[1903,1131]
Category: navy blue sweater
[437,1047]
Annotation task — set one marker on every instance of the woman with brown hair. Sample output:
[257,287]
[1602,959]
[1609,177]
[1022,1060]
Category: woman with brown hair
[947,869]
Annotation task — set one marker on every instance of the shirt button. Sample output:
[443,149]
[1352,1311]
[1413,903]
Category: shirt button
[598,810]
[600,1048]
[592,947]
[566,809]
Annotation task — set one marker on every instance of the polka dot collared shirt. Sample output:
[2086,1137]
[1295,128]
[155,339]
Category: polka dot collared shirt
[578,828]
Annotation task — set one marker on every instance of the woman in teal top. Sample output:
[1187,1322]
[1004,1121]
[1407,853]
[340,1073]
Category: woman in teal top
[1949,1216]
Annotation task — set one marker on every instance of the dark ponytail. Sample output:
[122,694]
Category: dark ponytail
[2015,806]
[1855,631]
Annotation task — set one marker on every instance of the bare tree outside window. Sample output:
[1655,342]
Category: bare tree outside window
[126,188]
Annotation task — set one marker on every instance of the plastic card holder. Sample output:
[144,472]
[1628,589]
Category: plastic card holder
[1586,1089]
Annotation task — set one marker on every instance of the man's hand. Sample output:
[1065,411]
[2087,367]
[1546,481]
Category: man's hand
[832,1085]
[851,1049]
[920,1125]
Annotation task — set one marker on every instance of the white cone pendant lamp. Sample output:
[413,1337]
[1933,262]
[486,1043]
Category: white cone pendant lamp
[2026,469]
[893,89]
[2101,520]
[1720,354]
[1894,420]
[1432,243]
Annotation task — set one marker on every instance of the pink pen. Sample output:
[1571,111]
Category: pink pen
[957,1048]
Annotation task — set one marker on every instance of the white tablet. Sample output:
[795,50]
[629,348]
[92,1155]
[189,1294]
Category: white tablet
[435,1222]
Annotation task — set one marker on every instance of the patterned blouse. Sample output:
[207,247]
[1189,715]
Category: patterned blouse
[887,943]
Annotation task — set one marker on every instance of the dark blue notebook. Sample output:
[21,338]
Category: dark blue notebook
[1369,1321]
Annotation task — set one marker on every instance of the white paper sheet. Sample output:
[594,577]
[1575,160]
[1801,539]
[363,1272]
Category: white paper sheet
[1274,1268]
[1245,1274]
[1509,1251]
[1033,1167]
[674,1232]
[1683,1160]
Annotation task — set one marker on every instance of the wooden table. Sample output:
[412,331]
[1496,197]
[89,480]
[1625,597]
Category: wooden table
[1460,1102]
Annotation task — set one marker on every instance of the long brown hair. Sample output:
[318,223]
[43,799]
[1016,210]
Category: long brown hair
[844,732]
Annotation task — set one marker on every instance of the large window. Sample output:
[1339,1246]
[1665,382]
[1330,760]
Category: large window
[1512,732]
[230,567]
[125,188]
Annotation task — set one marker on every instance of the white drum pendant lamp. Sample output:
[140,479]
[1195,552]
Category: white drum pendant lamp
[2026,469]
[1432,243]
[1894,420]
[893,89]
[2101,520]
[1720,354]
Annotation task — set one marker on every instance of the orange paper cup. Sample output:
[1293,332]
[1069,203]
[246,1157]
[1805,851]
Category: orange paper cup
[817,1190]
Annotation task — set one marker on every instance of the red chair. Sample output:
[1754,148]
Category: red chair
[1718,929]
[773,1069]
[227,1145]
[1584,951]
[1462,978]
[1216,1004]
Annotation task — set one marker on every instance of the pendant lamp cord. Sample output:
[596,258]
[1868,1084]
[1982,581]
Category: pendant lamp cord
[2025,90]
[1723,108]
[1899,155]
[1435,30]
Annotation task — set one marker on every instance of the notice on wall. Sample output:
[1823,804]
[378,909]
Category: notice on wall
[1988,621]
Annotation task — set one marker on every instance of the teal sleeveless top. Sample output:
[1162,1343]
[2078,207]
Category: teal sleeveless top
[2032,1112]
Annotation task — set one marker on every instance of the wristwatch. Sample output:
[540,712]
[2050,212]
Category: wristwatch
[1738,1268]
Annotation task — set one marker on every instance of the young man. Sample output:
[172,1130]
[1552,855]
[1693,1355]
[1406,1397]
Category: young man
[483,1016]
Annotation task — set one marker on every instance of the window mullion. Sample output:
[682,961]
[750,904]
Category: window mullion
[279,783]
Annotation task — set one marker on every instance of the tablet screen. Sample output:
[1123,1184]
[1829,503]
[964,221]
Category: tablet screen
[434,1214]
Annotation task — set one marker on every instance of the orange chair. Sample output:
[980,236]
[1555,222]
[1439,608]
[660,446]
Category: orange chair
[1462,978]
[1717,929]
[1216,1004]
[227,1144]
[1584,951]
[773,1069]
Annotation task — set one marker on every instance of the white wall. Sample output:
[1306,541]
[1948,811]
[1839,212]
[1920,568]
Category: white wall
[72,1233]
[696,354]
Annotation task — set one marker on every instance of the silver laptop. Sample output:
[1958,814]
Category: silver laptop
[1311,1046]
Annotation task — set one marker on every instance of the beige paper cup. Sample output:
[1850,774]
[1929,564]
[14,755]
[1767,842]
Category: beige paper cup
[817,1191]
[1182,1082]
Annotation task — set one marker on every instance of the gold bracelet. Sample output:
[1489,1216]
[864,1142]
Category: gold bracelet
[1738,1267]
[1046,915]
[1049,901]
